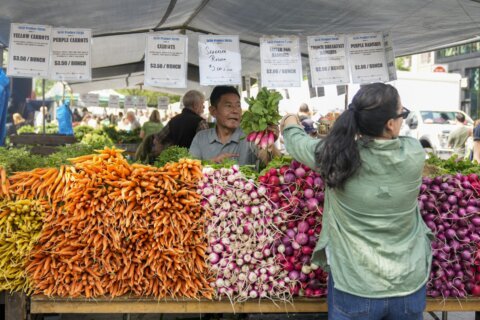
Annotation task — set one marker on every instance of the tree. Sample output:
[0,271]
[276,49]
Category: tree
[402,63]
[152,96]
[38,87]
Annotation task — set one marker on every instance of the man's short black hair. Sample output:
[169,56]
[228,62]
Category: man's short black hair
[460,117]
[219,91]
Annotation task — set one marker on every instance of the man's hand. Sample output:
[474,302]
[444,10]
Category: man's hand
[223,156]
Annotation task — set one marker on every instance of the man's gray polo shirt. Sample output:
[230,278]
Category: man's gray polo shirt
[206,145]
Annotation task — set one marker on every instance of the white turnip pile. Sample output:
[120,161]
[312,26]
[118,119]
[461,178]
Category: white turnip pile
[241,235]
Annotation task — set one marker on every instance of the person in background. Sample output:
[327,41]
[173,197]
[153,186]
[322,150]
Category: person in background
[179,131]
[76,117]
[105,121]
[17,122]
[373,239]
[64,119]
[113,119]
[123,124]
[40,116]
[143,117]
[153,125]
[133,123]
[84,112]
[304,112]
[459,136]
[476,141]
[93,121]
[226,139]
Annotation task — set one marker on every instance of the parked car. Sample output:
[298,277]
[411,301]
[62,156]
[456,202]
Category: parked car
[432,128]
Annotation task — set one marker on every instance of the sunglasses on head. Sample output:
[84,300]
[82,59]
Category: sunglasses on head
[404,114]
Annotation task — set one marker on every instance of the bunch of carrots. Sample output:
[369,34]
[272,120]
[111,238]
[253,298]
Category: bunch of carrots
[116,228]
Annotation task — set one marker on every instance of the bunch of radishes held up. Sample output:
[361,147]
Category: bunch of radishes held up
[261,116]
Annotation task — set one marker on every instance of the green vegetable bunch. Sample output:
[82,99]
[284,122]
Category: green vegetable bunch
[25,129]
[172,154]
[20,159]
[453,165]
[63,153]
[97,140]
[81,131]
[122,136]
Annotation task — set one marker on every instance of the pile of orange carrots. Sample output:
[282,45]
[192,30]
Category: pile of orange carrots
[116,229]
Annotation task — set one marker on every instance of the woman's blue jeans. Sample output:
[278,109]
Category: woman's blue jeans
[345,306]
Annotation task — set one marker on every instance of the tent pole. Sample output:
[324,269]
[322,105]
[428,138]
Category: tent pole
[43,105]
[346,96]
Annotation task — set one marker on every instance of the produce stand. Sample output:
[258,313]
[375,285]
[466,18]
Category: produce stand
[43,144]
[43,304]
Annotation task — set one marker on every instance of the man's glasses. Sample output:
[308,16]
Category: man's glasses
[404,114]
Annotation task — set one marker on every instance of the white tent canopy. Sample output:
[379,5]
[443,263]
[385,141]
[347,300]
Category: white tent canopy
[119,27]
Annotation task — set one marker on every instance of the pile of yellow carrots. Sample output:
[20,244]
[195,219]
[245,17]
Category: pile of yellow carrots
[114,228]
[20,225]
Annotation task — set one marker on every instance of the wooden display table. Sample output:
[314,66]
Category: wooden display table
[42,304]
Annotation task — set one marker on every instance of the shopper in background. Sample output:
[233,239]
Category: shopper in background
[40,118]
[476,141]
[18,120]
[304,112]
[133,123]
[373,239]
[226,139]
[84,112]
[459,136]
[153,125]
[142,117]
[92,121]
[179,131]
[76,117]
[123,124]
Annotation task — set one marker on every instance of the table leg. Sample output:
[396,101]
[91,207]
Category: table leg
[16,306]
[444,315]
[477,315]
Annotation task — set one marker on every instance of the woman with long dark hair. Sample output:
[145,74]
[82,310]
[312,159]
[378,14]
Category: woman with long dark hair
[374,242]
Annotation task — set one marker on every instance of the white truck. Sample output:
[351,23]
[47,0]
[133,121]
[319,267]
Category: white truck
[432,128]
[434,101]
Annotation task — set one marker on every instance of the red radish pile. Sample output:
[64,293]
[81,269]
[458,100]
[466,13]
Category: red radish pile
[241,234]
[299,192]
[450,208]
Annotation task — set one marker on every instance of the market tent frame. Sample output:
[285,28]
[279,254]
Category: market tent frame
[119,27]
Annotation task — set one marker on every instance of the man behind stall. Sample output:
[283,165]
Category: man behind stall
[227,140]
[179,131]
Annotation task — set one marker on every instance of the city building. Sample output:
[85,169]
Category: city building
[463,59]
